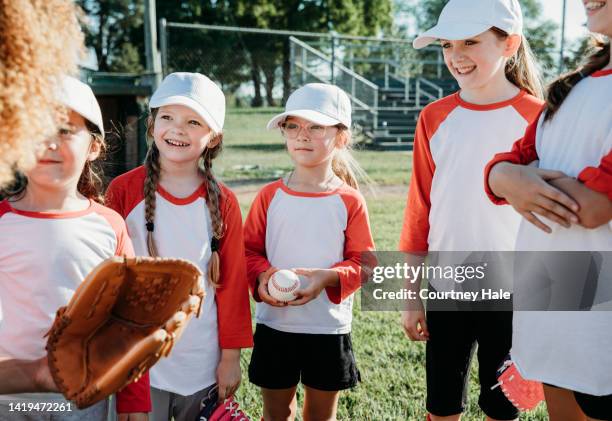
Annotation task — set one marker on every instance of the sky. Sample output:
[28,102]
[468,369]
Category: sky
[551,9]
[575,16]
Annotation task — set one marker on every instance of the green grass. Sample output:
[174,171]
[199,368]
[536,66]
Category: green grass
[392,368]
[252,153]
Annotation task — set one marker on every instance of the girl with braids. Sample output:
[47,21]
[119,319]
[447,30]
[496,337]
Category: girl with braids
[571,143]
[485,50]
[56,231]
[174,207]
[315,221]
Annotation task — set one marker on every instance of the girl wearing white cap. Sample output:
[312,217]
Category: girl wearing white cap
[447,210]
[315,222]
[175,207]
[56,231]
[572,140]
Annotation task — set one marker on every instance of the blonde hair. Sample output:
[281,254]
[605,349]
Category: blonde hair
[40,42]
[91,181]
[213,196]
[522,69]
[344,164]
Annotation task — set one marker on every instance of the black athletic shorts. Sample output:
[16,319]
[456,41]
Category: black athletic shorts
[453,336]
[597,407]
[281,360]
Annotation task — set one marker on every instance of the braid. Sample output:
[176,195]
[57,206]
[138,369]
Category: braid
[213,198]
[560,88]
[150,186]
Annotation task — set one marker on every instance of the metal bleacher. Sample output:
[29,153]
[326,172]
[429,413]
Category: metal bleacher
[386,99]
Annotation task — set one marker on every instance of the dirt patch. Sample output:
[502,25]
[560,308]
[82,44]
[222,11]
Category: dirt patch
[246,191]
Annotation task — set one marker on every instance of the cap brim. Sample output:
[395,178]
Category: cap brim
[187,102]
[88,114]
[78,96]
[310,115]
[454,31]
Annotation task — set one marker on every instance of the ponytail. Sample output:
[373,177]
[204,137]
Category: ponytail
[521,69]
[560,88]
[344,164]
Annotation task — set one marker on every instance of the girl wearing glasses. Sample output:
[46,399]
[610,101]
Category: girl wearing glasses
[314,222]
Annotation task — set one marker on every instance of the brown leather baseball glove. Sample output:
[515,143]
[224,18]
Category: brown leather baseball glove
[122,319]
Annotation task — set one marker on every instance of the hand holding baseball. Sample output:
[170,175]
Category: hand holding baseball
[319,280]
[262,289]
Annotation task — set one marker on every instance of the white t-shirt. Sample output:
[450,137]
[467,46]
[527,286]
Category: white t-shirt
[288,229]
[183,229]
[572,350]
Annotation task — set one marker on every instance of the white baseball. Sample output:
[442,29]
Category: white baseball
[283,284]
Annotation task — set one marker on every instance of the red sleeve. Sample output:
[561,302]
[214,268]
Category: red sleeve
[255,238]
[126,191]
[233,308]
[4,207]
[415,229]
[599,178]
[135,397]
[115,198]
[523,152]
[358,243]
[124,243]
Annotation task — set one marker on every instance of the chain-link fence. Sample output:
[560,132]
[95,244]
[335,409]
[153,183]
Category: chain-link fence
[387,79]
[262,67]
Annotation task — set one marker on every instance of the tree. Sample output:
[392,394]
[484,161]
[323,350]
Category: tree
[115,31]
[356,17]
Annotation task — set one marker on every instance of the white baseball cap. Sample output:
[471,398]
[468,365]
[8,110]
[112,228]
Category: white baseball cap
[193,90]
[463,19]
[320,103]
[79,97]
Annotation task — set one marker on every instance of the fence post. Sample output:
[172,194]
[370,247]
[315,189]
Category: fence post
[163,37]
[407,88]
[333,56]
[151,51]
[303,65]
[439,70]
[386,75]
[375,122]
[291,61]
[418,93]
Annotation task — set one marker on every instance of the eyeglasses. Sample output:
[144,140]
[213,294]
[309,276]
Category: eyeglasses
[314,131]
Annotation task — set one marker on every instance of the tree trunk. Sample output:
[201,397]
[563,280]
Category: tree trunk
[256,78]
[270,78]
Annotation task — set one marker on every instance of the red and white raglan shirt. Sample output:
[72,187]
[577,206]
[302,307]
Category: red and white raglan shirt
[447,210]
[287,229]
[43,259]
[569,349]
[183,229]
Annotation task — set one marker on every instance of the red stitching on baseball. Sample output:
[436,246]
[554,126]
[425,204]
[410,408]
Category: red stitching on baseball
[283,289]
